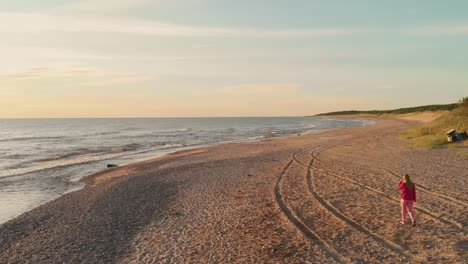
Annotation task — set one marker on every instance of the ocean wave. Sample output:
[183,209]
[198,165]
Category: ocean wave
[56,161]
[15,156]
[365,122]
[169,146]
[270,134]
[105,133]
[182,129]
[49,158]
[128,147]
[171,130]
[86,151]
[159,134]
[158,130]
[155,140]
[76,152]
[311,131]
[29,139]
[250,139]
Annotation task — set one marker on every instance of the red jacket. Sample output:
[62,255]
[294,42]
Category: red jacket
[407,193]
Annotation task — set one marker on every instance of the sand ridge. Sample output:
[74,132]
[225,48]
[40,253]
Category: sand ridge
[423,117]
[329,197]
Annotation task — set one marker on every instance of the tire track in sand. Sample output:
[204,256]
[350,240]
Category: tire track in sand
[340,215]
[382,194]
[298,223]
[447,198]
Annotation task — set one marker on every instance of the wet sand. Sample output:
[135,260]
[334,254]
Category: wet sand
[329,197]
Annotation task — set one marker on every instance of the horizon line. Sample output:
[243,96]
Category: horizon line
[162,117]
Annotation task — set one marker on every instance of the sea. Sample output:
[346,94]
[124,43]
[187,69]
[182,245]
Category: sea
[42,159]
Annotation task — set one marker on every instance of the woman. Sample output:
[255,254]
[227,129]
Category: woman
[408,198]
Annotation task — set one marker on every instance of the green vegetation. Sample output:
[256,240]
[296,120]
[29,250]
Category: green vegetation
[432,134]
[444,107]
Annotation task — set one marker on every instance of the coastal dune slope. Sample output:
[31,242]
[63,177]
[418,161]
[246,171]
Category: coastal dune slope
[329,197]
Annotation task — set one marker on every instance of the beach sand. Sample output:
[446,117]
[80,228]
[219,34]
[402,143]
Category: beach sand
[329,197]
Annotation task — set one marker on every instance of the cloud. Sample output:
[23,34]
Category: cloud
[454,29]
[83,78]
[93,93]
[103,5]
[117,6]
[261,89]
[115,81]
[41,53]
[56,73]
[286,102]
[41,22]
[16,58]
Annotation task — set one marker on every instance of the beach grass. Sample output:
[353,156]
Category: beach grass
[433,134]
[400,111]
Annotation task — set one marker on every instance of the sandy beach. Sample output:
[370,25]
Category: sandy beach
[329,197]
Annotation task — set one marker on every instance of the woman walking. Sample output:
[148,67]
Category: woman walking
[408,198]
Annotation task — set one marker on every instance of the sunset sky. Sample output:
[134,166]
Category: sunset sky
[171,58]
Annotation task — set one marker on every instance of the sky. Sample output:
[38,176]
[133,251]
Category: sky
[210,58]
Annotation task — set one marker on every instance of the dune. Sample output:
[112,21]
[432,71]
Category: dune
[423,117]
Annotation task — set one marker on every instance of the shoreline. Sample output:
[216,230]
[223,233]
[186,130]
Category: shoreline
[201,148]
[234,202]
[135,158]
